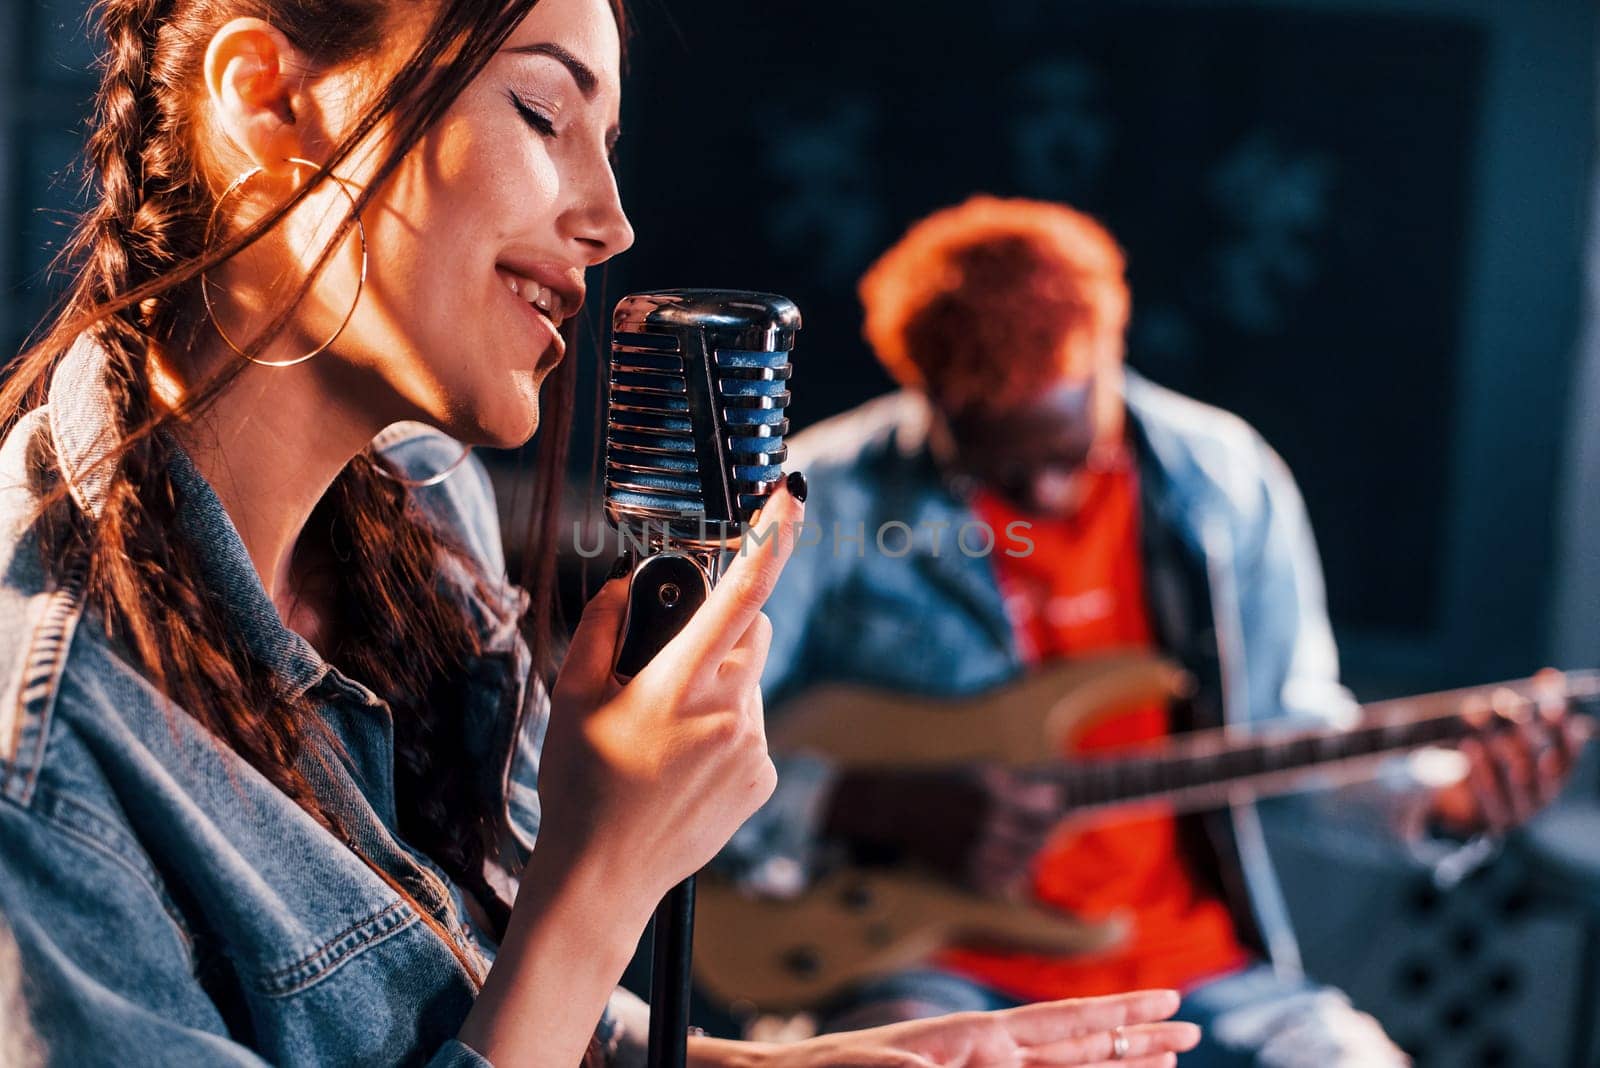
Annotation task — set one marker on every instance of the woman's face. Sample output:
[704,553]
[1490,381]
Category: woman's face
[479,242]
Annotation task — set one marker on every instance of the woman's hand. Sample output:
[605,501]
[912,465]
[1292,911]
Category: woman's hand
[1083,1031]
[640,785]
[656,775]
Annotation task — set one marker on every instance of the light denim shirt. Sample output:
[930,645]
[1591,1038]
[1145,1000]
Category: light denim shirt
[1235,590]
[170,905]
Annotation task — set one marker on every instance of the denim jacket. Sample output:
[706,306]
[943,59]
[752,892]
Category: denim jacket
[173,907]
[1235,592]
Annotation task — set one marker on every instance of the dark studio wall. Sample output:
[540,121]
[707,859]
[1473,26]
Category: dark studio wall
[46,81]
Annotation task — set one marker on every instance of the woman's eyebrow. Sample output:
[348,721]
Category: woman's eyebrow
[587,82]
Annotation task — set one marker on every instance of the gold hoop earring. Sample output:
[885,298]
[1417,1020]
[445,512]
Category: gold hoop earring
[361,280]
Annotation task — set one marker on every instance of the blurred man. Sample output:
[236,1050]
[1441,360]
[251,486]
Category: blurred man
[1155,523]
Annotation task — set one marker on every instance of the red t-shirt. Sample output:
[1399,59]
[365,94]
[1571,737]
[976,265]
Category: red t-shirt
[1081,592]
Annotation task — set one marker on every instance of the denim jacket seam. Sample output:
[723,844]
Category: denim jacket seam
[337,951]
[91,828]
[43,665]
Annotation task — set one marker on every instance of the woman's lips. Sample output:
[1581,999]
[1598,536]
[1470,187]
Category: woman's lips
[542,322]
[557,293]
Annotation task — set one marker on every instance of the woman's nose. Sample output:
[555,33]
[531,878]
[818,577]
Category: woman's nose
[599,222]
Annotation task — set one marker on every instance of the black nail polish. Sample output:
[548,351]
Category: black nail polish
[796,482]
[623,565]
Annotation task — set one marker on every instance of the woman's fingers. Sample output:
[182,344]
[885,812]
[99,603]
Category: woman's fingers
[1160,1060]
[744,589]
[1144,1041]
[594,643]
[1054,1021]
[749,654]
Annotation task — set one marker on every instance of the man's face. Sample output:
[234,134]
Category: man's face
[1039,454]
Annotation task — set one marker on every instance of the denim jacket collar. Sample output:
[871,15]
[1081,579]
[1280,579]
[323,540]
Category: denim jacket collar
[82,423]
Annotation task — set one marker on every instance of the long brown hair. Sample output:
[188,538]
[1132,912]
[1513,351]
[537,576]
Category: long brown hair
[137,255]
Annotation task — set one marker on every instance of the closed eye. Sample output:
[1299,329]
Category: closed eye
[538,120]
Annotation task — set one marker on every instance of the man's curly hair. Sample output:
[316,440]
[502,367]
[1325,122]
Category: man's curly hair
[981,303]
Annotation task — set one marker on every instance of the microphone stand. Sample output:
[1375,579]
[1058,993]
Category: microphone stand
[666,588]
[671,950]
[695,433]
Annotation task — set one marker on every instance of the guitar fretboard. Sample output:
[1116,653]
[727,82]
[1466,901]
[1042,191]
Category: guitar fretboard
[1206,767]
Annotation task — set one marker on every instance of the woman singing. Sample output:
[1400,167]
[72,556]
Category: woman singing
[270,714]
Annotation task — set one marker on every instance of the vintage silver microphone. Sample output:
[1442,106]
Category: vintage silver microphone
[694,443]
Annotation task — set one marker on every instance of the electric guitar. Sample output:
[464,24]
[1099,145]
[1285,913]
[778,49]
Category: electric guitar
[855,923]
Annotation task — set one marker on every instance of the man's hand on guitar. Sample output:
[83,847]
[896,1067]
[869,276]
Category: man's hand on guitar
[978,826]
[1517,766]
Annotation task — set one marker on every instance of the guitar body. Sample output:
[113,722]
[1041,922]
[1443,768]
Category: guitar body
[783,955]
[1024,723]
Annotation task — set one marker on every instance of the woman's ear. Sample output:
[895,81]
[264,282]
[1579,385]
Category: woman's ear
[256,85]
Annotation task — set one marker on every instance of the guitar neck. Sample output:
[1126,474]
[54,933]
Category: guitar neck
[1207,768]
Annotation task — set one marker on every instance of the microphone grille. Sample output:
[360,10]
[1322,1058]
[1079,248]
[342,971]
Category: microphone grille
[753,392]
[652,467]
[697,414]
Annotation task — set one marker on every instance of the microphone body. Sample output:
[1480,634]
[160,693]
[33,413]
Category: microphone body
[694,443]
